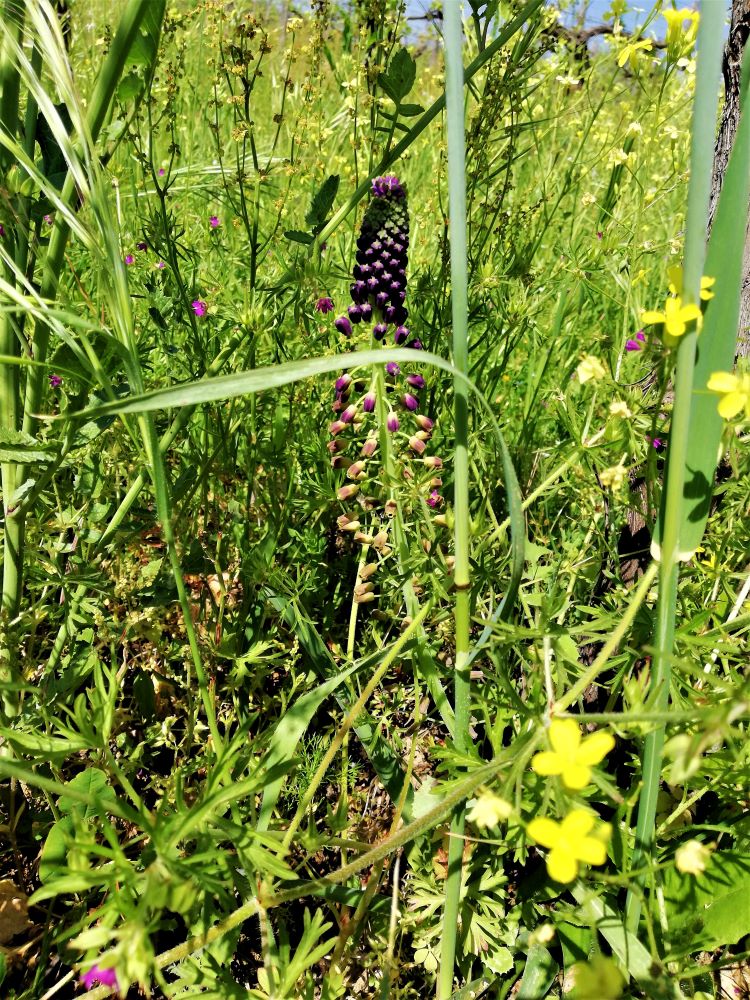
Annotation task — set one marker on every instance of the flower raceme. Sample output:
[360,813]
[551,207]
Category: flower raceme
[572,757]
[569,843]
[734,391]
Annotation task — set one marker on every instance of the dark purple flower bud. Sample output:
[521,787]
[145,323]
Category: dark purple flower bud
[424,422]
[142,245]
[409,401]
[349,414]
[381,300]
[358,292]
[385,278]
[343,325]
[343,382]
[417,381]
[355,313]
[392,422]
[394,288]
[379,331]
[392,368]
[401,335]
[366,312]
[416,345]
[368,402]
[373,284]
[324,305]
[388,186]
[55,381]
[389,315]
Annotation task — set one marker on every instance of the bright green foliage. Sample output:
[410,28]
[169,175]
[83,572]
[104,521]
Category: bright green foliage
[240,733]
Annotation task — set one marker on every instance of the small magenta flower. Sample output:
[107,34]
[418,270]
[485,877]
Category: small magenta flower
[392,422]
[368,402]
[416,381]
[214,222]
[349,414]
[637,343]
[162,171]
[324,305]
[161,265]
[409,401]
[343,325]
[48,219]
[105,977]
[129,258]
[392,368]
[434,499]
[2,230]
[55,381]
[199,307]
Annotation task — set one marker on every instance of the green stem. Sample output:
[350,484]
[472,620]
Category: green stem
[454,101]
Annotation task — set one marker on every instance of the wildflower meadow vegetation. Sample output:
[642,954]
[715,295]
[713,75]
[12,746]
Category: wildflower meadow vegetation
[374,439]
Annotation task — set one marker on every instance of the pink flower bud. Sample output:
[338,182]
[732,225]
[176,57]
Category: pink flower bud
[392,422]
[416,445]
[433,462]
[349,414]
[424,422]
[347,492]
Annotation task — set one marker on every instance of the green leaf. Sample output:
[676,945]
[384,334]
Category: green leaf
[539,974]
[399,78]
[710,910]
[94,784]
[297,236]
[54,856]
[283,746]
[717,340]
[16,446]
[322,203]
[410,110]
[141,57]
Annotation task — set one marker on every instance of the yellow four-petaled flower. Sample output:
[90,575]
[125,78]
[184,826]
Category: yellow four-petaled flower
[734,391]
[675,317]
[569,843]
[571,756]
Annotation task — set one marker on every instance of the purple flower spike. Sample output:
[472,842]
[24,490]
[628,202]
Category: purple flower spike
[383,187]
[105,977]
[417,381]
[379,331]
[401,335]
[392,422]
[392,368]
[324,305]
[55,381]
[343,325]
[343,382]
[355,313]
[409,401]
[632,345]
[368,402]
[199,307]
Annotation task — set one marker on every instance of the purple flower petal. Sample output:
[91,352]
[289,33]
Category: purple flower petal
[324,305]
[199,307]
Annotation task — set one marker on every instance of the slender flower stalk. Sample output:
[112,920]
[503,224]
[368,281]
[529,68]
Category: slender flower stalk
[454,103]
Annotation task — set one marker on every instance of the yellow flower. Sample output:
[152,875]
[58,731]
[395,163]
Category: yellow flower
[674,273]
[572,757]
[619,408]
[692,857]
[735,393]
[675,317]
[488,810]
[569,843]
[680,40]
[614,476]
[630,51]
[590,368]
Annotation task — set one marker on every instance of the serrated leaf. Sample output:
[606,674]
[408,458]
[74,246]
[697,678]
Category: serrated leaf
[399,78]
[297,236]
[322,203]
